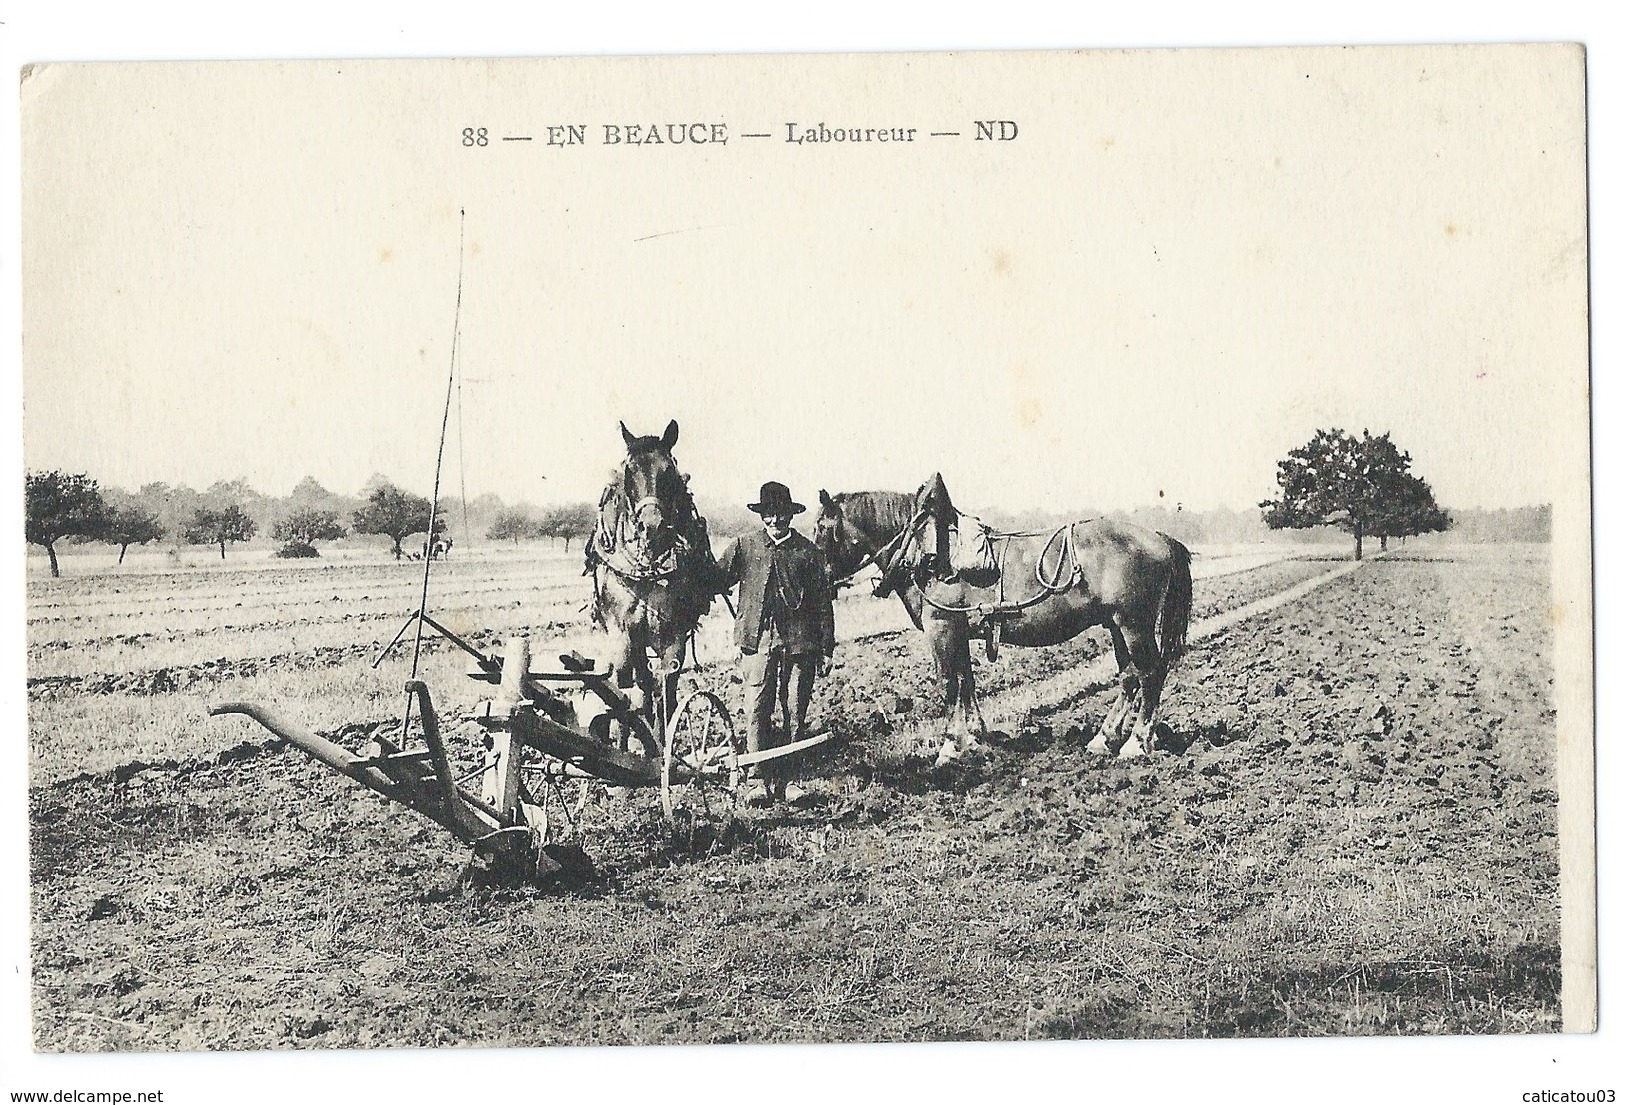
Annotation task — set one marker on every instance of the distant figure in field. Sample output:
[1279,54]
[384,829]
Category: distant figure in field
[440,550]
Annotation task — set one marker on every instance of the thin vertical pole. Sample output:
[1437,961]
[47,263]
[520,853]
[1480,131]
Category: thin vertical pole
[439,458]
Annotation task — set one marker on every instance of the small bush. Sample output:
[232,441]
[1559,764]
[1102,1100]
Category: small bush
[297,550]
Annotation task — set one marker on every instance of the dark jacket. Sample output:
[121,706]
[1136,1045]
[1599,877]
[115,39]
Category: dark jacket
[787,583]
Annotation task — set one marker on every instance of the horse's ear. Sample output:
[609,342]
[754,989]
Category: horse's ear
[627,435]
[669,438]
[824,499]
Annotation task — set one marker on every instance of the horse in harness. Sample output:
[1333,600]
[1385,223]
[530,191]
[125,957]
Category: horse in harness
[652,568]
[1027,589]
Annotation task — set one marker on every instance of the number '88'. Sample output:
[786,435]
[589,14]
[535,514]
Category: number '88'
[475,136]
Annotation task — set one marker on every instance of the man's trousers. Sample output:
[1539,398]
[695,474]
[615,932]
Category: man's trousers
[773,676]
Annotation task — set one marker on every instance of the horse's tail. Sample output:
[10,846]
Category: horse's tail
[1174,615]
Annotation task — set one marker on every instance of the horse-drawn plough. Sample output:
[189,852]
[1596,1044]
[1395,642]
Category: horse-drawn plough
[549,732]
[544,732]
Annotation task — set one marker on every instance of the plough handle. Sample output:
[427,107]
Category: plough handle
[459,816]
[437,748]
[338,758]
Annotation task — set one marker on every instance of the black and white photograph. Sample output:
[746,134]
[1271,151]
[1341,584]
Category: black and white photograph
[896,548]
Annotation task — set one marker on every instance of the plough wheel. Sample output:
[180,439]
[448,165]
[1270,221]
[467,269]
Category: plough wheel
[562,800]
[700,742]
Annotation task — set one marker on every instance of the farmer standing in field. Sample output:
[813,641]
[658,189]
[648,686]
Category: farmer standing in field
[785,629]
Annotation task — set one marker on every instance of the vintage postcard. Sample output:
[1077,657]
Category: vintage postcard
[839,548]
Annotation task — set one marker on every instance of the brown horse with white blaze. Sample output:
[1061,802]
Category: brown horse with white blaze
[1023,589]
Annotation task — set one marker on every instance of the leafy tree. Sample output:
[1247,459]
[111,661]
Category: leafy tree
[1410,511]
[300,531]
[220,527]
[1362,485]
[513,524]
[131,524]
[573,520]
[60,504]
[224,493]
[175,507]
[480,513]
[307,492]
[396,514]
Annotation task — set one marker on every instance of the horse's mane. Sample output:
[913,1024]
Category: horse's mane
[880,514]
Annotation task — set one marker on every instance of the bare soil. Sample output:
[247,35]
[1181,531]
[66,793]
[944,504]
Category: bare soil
[1357,837]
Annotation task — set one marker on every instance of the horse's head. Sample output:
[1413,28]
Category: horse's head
[858,528]
[843,547]
[656,494]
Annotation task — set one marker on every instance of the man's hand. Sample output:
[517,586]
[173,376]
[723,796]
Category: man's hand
[826,664]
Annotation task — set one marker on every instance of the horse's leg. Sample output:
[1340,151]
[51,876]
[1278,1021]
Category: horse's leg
[633,678]
[1143,655]
[651,690]
[1132,684]
[975,723]
[1150,699]
[945,645]
[619,655]
[1112,723]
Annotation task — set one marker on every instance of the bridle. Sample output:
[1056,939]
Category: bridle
[885,557]
[872,556]
[615,547]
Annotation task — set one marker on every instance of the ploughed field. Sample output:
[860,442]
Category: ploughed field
[1356,835]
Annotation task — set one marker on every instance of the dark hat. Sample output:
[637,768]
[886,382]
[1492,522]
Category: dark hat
[776,500]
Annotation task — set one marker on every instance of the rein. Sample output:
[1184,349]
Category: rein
[873,556]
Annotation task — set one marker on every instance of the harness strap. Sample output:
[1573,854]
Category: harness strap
[873,556]
[615,541]
[1048,586]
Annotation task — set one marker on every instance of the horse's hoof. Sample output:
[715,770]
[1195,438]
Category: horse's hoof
[1098,746]
[947,754]
[1162,736]
[1131,748]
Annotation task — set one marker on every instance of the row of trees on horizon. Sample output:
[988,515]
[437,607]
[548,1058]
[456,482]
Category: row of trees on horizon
[74,507]
[1362,485]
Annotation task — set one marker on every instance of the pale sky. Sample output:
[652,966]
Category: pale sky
[1182,266]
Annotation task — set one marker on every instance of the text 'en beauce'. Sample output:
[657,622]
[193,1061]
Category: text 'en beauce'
[662,134]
